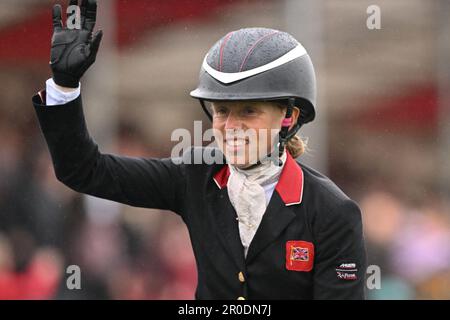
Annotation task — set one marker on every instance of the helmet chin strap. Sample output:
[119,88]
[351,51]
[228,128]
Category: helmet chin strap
[205,109]
[283,137]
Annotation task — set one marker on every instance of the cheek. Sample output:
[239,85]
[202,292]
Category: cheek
[272,120]
[218,131]
[276,122]
[272,127]
[216,125]
[275,125]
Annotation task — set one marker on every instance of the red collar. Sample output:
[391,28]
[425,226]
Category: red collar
[289,187]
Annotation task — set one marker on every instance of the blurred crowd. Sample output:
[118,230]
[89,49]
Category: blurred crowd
[122,252]
[410,244]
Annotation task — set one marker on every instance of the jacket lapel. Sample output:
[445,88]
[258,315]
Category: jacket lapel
[276,218]
[225,216]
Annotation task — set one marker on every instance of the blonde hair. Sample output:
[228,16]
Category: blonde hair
[297,146]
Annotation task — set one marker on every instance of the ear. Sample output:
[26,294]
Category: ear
[295,115]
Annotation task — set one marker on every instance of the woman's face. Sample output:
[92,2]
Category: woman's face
[245,131]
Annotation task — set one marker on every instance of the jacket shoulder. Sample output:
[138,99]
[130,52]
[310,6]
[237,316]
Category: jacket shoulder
[322,185]
[325,200]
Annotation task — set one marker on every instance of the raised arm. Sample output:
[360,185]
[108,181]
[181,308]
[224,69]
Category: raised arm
[78,163]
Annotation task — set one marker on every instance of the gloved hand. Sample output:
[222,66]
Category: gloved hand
[74,50]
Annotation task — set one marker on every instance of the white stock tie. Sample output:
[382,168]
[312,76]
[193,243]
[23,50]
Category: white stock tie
[248,197]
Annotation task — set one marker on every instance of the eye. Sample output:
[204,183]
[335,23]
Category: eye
[220,111]
[248,111]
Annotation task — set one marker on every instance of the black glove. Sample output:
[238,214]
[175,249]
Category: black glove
[74,50]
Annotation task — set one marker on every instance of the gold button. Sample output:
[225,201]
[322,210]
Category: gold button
[241,277]
[241,298]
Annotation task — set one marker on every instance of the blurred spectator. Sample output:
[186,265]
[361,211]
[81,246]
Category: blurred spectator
[410,244]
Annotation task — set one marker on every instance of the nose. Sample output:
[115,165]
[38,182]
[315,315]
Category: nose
[233,121]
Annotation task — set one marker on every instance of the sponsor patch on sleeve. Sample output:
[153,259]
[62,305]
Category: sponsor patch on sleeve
[347,271]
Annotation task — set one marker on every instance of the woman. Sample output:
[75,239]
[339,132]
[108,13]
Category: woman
[262,225]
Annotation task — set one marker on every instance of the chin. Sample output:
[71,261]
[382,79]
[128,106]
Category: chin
[240,159]
[237,161]
[241,166]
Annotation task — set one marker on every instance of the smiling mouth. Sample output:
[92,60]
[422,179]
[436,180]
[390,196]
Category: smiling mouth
[236,142]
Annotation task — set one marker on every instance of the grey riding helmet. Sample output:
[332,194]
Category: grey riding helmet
[260,64]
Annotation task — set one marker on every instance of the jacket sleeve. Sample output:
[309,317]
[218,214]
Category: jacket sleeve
[78,163]
[340,262]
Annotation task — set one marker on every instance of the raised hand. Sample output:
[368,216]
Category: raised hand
[74,50]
